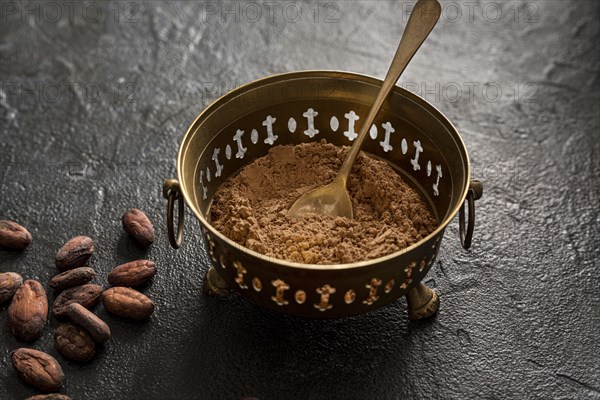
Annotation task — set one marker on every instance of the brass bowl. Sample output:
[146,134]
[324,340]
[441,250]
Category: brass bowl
[410,134]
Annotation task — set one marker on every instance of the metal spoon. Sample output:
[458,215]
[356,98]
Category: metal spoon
[333,199]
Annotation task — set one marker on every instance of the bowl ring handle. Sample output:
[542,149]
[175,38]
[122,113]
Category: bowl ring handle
[172,192]
[466,234]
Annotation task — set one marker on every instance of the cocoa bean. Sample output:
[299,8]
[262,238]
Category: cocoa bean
[28,311]
[9,283]
[89,321]
[38,369]
[134,273]
[86,295]
[13,236]
[74,253]
[51,396]
[72,277]
[138,227]
[127,302]
[73,342]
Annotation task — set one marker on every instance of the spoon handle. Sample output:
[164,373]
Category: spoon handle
[423,18]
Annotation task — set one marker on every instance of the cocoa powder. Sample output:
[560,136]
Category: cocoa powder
[251,207]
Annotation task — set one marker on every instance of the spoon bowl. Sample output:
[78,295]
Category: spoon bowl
[331,199]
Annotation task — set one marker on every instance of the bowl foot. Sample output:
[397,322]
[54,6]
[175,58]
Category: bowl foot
[422,302]
[214,285]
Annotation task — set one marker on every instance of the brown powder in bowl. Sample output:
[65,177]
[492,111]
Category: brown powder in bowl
[251,207]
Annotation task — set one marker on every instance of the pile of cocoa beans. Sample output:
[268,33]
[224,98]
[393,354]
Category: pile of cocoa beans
[79,329]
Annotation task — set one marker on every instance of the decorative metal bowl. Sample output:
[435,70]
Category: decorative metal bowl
[409,133]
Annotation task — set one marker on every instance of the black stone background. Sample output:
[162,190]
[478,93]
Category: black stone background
[93,109]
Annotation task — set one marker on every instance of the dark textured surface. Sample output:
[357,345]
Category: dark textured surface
[91,115]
